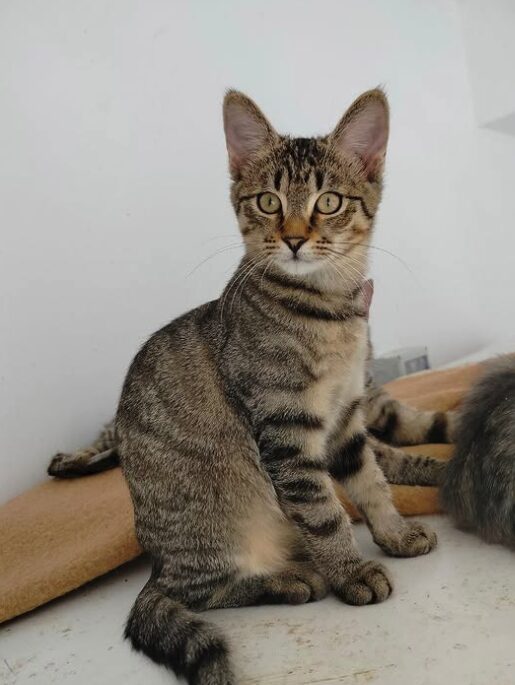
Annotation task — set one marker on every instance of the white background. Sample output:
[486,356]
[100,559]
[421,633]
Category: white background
[113,180]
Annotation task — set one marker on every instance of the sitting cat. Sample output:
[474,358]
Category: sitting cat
[236,417]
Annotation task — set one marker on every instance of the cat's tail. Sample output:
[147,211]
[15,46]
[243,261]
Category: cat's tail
[99,456]
[177,638]
[401,468]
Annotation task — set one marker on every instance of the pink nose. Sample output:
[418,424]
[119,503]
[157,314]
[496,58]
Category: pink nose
[294,243]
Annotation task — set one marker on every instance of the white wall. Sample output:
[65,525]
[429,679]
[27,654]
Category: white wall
[113,183]
[490,47]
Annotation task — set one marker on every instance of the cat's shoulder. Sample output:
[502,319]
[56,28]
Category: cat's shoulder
[179,333]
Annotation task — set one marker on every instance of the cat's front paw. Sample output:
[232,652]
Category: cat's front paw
[411,540]
[368,583]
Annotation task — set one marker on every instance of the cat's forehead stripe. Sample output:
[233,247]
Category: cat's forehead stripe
[297,159]
[277,179]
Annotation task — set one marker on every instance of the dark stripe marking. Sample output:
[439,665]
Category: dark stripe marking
[285,384]
[315,312]
[303,490]
[365,209]
[287,282]
[349,458]
[277,179]
[243,199]
[276,457]
[390,426]
[438,430]
[289,170]
[289,417]
[310,465]
[272,453]
[324,529]
[387,431]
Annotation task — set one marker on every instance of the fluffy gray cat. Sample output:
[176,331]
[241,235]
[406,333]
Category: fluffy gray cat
[479,482]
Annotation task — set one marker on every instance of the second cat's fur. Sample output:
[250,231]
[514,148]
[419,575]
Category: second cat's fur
[478,487]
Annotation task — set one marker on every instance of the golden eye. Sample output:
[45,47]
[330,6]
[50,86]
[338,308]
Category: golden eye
[269,203]
[328,203]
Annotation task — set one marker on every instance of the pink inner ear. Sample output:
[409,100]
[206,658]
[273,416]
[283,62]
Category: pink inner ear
[244,135]
[366,136]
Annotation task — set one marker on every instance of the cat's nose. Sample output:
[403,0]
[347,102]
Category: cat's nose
[295,243]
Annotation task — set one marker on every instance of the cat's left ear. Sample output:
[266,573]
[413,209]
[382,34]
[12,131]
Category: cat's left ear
[363,132]
[247,130]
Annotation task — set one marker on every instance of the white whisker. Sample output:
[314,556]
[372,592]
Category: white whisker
[227,248]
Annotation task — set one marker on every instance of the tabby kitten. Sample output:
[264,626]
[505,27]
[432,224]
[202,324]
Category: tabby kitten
[235,416]
[479,483]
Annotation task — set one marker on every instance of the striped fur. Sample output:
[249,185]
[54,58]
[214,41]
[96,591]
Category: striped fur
[412,427]
[397,424]
[234,417]
[400,468]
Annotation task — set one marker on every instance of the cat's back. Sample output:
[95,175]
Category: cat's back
[175,363]
[479,486]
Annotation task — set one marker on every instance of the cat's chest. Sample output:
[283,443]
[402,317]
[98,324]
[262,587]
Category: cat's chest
[340,371]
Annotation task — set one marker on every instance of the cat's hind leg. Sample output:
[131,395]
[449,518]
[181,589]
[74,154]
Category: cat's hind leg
[297,583]
[218,541]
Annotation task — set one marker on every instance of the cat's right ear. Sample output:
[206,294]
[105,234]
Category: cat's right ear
[247,130]
[363,132]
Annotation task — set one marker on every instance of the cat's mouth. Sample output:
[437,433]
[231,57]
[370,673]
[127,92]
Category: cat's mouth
[298,263]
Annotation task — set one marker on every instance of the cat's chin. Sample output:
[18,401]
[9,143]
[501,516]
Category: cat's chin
[299,267]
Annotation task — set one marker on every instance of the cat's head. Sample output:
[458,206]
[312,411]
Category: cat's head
[307,204]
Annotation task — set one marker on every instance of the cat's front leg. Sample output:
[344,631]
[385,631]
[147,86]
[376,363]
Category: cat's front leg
[352,462]
[306,494]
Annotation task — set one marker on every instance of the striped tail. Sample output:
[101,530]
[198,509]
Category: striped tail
[177,638]
[401,468]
